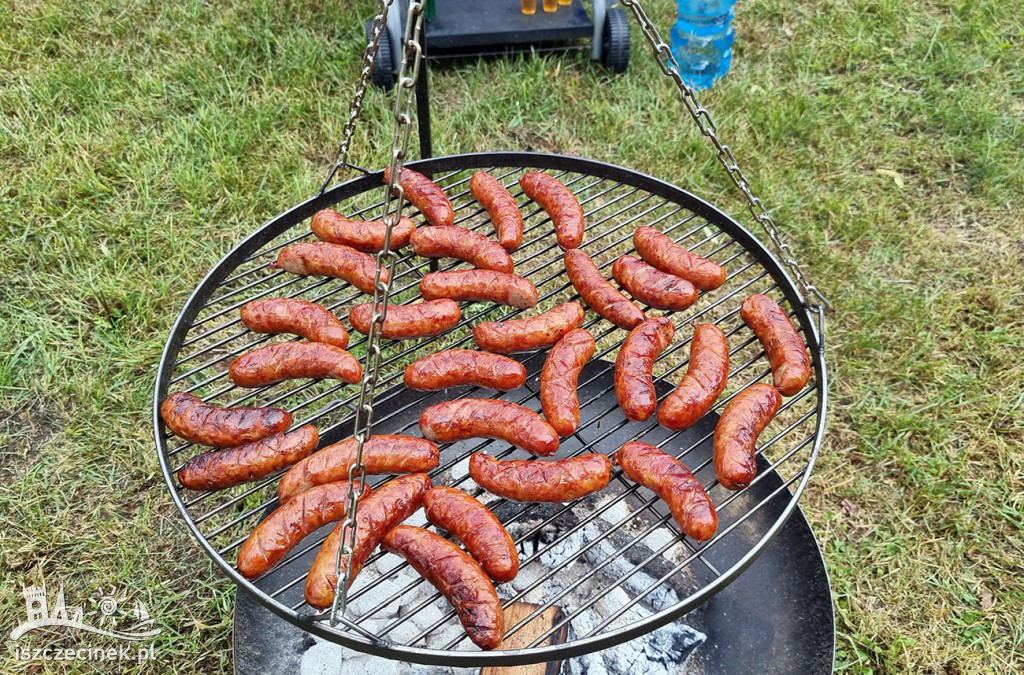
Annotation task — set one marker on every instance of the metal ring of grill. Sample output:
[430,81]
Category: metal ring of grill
[614,562]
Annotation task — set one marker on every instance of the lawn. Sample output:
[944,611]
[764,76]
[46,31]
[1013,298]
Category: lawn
[140,140]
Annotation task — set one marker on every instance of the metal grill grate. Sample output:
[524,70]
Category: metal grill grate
[614,562]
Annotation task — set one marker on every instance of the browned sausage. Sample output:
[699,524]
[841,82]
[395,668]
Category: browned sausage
[459,578]
[405,322]
[659,250]
[425,195]
[291,315]
[674,484]
[188,417]
[456,367]
[330,260]
[477,528]
[450,241]
[291,523]
[478,286]
[362,235]
[502,208]
[219,469]
[791,365]
[385,453]
[293,360]
[598,293]
[560,203]
[653,287]
[389,505]
[736,434]
[541,480]
[487,418]
[634,383]
[703,383]
[536,332]
[559,378]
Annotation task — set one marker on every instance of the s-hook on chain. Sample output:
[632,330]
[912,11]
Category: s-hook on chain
[667,62]
[394,200]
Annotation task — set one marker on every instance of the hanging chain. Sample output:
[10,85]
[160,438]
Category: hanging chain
[394,200]
[667,62]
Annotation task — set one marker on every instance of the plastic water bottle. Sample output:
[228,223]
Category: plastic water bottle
[702,40]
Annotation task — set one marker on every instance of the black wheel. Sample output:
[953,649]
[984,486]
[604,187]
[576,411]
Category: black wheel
[383,75]
[615,41]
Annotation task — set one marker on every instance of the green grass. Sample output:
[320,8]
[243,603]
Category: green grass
[139,140]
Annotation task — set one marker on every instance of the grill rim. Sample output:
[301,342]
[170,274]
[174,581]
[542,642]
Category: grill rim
[458,163]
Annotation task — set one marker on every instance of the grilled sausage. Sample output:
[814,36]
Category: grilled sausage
[791,365]
[291,523]
[653,287]
[188,417]
[389,505]
[537,332]
[479,286]
[405,322]
[559,378]
[385,453]
[537,480]
[291,315]
[674,484]
[477,528]
[457,367]
[451,241]
[293,360]
[487,418]
[425,195]
[459,578]
[362,235]
[703,383]
[634,382]
[219,469]
[330,260]
[742,421]
[502,208]
[560,203]
[659,250]
[598,293]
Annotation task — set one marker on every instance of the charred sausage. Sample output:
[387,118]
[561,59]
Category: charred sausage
[659,250]
[703,383]
[425,195]
[293,360]
[478,286]
[385,453]
[406,322]
[362,235]
[791,365]
[188,417]
[389,505]
[536,332]
[502,208]
[291,523]
[560,203]
[459,578]
[219,469]
[598,293]
[634,382]
[559,378]
[541,480]
[477,528]
[652,286]
[674,484]
[742,421]
[457,367]
[330,260]
[291,315]
[487,418]
[450,241]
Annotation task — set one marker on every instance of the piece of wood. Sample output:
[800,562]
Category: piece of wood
[539,625]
